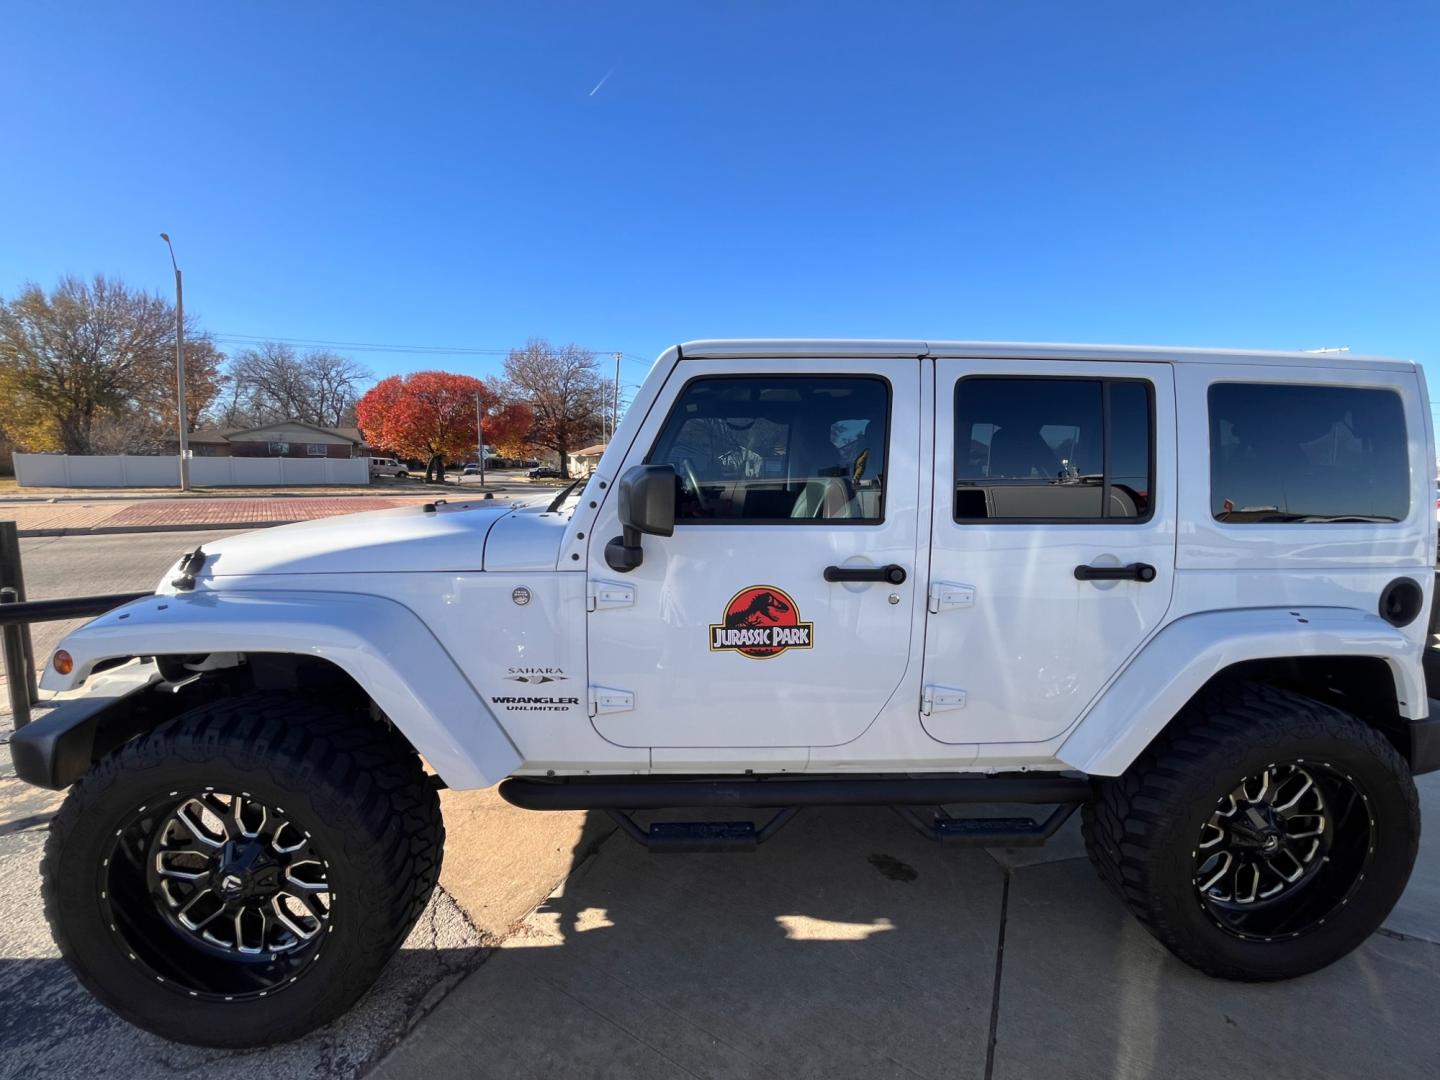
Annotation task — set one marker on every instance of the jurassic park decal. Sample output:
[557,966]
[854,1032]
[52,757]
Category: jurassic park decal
[761,621]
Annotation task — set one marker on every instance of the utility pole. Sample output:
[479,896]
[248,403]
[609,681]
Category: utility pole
[615,423]
[180,368]
[480,436]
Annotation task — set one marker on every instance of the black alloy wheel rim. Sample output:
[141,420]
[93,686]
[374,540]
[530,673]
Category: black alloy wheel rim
[217,894]
[1283,849]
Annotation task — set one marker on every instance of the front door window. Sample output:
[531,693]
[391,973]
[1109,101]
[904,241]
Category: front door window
[778,449]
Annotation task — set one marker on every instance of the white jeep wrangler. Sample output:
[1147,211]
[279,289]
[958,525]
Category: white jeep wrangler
[1185,591]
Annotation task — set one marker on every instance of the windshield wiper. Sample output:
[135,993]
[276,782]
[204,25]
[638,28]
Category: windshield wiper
[559,499]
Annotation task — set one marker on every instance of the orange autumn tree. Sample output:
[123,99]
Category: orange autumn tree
[431,415]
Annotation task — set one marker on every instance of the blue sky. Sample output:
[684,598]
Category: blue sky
[1232,174]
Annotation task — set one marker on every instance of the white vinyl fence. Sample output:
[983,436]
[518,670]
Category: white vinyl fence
[127,470]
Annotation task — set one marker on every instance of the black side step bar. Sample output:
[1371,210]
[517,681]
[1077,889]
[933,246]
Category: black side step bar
[655,794]
[666,837]
[989,832]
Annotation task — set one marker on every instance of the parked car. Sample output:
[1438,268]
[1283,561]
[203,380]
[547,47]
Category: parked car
[471,470]
[543,472]
[1182,592]
[384,466]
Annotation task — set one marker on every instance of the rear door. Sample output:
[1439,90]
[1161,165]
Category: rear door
[1053,540]
[729,634]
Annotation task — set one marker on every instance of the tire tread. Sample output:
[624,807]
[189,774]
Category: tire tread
[1125,827]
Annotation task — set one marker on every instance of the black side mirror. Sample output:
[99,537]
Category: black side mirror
[646,503]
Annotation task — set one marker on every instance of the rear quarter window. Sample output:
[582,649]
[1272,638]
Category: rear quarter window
[1307,454]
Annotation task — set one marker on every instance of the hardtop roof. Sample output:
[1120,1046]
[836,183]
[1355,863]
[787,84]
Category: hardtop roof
[781,348]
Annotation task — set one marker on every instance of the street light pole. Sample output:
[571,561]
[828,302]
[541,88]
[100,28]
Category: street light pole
[180,368]
[480,436]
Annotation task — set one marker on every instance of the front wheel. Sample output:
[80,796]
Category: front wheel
[1263,836]
[241,874]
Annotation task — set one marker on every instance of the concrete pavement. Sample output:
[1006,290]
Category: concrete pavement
[851,947]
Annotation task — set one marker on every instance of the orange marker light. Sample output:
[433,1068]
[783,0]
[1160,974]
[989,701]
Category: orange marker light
[63,662]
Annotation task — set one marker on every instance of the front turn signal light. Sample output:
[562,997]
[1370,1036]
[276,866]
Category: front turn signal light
[62,662]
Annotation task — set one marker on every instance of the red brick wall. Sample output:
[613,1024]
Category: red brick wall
[240,448]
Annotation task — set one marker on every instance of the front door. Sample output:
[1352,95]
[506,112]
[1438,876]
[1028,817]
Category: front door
[1053,540]
[729,634]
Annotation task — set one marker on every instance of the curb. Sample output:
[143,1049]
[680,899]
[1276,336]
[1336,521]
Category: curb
[196,526]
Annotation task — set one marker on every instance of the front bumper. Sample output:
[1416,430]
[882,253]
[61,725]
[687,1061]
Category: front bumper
[1423,748]
[56,750]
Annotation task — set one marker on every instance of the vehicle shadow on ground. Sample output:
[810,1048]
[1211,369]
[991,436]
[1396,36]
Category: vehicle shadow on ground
[850,946]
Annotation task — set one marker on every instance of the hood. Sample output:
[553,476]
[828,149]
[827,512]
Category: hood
[408,539]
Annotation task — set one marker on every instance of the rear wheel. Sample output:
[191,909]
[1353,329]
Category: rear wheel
[1263,836]
[240,875]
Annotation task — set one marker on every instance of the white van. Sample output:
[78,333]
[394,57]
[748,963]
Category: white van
[387,466]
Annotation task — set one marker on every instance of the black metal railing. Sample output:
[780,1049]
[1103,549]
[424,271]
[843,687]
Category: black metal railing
[17,613]
[21,612]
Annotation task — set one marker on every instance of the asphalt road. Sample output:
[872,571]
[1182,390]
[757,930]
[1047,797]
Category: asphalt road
[90,565]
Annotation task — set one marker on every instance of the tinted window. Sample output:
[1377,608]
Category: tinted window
[1307,454]
[1036,449]
[778,449]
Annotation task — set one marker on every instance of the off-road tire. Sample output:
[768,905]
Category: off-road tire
[339,774]
[1142,829]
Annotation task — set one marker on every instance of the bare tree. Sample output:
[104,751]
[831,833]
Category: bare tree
[95,354]
[274,382]
[564,391]
[335,383]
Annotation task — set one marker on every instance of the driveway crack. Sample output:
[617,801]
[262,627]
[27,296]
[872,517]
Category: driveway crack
[999,971]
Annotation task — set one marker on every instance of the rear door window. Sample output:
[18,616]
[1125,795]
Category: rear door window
[1307,454]
[1053,450]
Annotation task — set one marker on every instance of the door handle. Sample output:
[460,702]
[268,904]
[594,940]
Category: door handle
[1136,571]
[893,574]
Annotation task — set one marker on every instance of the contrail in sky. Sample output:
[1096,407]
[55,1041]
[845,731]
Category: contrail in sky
[601,83]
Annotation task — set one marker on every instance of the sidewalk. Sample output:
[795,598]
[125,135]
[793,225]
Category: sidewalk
[158,515]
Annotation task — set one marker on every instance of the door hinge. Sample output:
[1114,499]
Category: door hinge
[949,596]
[605,700]
[935,699]
[604,595]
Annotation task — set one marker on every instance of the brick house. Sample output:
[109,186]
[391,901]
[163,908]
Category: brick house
[284,438]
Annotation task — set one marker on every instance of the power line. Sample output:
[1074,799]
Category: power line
[375,346]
